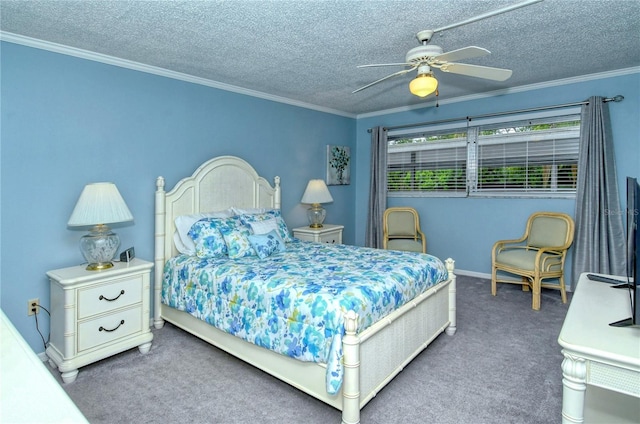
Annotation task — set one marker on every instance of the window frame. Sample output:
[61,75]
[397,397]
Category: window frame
[472,127]
[433,129]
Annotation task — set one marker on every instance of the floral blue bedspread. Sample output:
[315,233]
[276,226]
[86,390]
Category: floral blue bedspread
[293,302]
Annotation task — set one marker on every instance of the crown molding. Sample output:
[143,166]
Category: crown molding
[123,63]
[136,66]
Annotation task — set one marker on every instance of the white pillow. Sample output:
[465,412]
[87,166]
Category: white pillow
[264,227]
[249,211]
[181,238]
[248,218]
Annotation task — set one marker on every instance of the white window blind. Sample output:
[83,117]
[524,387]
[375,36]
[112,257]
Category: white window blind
[527,155]
[531,156]
[434,162]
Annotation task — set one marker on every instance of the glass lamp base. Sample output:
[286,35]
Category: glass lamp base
[316,215]
[99,247]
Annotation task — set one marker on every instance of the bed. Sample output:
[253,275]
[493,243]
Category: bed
[364,361]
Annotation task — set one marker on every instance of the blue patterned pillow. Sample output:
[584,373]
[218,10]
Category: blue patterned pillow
[283,231]
[184,243]
[267,244]
[207,238]
[237,240]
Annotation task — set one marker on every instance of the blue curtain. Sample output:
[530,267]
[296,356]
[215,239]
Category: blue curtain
[599,242]
[377,188]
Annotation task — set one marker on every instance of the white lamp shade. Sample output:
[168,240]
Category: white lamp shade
[316,192]
[99,203]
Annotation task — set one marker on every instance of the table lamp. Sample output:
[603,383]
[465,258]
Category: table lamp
[99,204]
[315,194]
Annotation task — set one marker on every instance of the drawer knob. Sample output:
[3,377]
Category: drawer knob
[111,300]
[109,331]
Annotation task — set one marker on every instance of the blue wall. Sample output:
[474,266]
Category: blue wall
[466,228]
[68,121]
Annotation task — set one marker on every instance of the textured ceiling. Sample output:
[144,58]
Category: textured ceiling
[307,51]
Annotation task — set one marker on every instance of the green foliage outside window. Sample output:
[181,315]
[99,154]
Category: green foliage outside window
[440,180]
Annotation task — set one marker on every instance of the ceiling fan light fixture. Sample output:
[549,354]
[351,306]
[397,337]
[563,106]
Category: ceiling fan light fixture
[423,85]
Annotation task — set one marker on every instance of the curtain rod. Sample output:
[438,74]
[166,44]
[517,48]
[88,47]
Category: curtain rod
[616,99]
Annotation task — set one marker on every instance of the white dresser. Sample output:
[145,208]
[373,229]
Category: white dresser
[28,392]
[96,314]
[598,357]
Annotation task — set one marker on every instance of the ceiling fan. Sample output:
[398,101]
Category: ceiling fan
[426,57]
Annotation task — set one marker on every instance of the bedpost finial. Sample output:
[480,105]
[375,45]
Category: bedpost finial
[160,183]
[450,265]
[351,322]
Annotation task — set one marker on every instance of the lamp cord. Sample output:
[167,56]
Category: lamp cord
[45,343]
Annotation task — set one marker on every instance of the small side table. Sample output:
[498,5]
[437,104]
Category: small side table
[328,233]
[96,314]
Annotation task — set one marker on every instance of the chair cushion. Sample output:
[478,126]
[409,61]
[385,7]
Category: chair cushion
[405,244]
[548,232]
[522,259]
[401,224]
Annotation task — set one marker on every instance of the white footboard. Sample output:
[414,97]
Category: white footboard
[371,359]
[375,356]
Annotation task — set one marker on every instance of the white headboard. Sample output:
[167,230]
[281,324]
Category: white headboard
[219,183]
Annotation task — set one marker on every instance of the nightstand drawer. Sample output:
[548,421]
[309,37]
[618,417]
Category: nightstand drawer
[328,233]
[107,297]
[105,329]
[331,237]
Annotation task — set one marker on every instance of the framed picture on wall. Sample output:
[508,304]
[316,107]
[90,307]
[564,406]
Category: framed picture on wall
[338,166]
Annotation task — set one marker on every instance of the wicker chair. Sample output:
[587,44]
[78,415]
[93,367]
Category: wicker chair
[537,256]
[401,230]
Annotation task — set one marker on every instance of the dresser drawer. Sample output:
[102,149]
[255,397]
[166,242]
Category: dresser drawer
[107,297]
[98,331]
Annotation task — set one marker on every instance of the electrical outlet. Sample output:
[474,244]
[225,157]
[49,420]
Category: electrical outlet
[33,306]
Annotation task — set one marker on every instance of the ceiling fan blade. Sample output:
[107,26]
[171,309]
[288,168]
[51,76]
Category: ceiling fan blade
[461,54]
[384,64]
[404,71]
[486,72]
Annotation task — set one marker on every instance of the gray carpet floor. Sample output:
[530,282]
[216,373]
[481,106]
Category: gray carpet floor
[502,366]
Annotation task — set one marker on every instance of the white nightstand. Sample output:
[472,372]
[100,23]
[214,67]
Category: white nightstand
[326,234]
[96,314]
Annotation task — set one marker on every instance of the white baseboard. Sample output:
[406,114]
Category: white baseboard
[473,274]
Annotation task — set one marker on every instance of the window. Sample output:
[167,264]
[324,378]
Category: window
[433,162]
[535,155]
